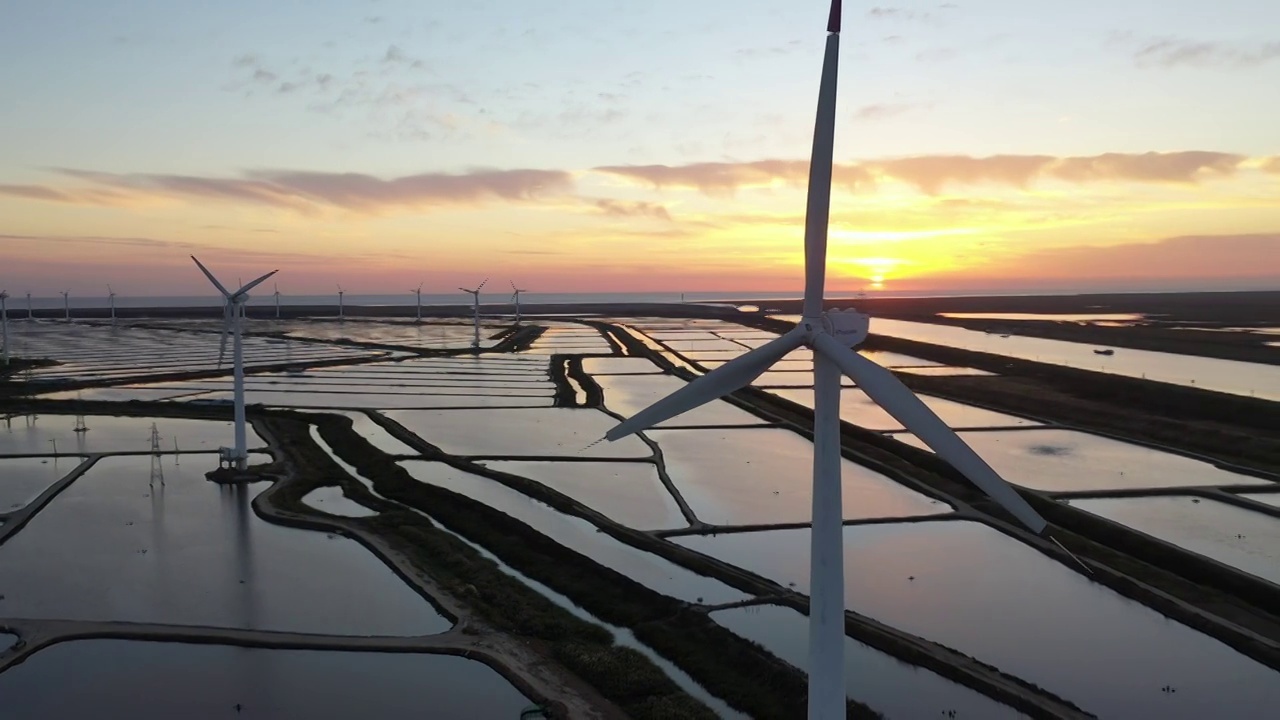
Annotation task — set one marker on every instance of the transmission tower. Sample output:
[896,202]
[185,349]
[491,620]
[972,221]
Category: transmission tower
[157,468]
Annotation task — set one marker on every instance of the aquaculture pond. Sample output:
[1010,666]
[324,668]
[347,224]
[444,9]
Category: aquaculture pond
[332,501]
[527,433]
[976,590]
[127,679]
[38,434]
[896,689]
[116,546]
[753,476]
[578,535]
[1231,535]
[24,479]
[630,493]
[1067,460]
[859,409]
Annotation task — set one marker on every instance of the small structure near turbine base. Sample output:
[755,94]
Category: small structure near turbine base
[228,472]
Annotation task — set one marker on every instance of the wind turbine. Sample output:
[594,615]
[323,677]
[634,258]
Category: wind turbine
[516,297]
[4,324]
[111,295]
[66,304]
[277,296]
[30,315]
[341,311]
[831,335]
[233,316]
[418,292]
[475,306]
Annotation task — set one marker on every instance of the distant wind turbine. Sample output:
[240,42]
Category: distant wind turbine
[418,292]
[4,324]
[277,295]
[30,315]
[233,316]
[111,295]
[66,304]
[831,335]
[516,297]
[341,311]
[475,306]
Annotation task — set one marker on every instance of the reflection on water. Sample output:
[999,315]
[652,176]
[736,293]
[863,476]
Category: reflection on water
[894,688]
[331,500]
[7,641]
[578,535]
[1113,317]
[1228,376]
[32,434]
[1067,460]
[1232,535]
[23,479]
[107,679]
[629,394]
[530,433]
[858,408]
[761,475]
[113,546]
[629,493]
[1265,498]
[985,594]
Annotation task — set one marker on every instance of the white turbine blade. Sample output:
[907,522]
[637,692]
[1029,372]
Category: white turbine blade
[254,284]
[209,275]
[898,400]
[818,206]
[735,374]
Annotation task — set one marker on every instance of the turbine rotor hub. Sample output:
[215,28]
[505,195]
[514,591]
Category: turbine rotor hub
[848,327]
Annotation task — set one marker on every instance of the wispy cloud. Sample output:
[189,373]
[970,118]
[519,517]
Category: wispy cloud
[307,192]
[932,173]
[629,209]
[1271,165]
[883,111]
[1170,52]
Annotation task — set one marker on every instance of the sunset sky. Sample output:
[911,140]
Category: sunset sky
[617,145]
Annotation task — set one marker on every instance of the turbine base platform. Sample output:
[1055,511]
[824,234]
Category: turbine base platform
[234,476]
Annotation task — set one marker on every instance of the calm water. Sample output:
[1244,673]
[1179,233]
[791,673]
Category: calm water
[32,434]
[763,475]
[1231,535]
[191,552]
[897,690]
[1067,460]
[1266,498]
[858,408]
[1227,376]
[629,493]
[629,394]
[109,679]
[528,433]
[332,501]
[974,589]
[578,535]
[1065,317]
[23,479]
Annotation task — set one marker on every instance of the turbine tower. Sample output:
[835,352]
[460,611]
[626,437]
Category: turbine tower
[341,311]
[475,311]
[4,325]
[831,336]
[66,304]
[515,296]
[233,316]
[418,292]
[30,315]
[111,295]
[277,295]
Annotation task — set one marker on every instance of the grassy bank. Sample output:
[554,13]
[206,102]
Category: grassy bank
[735,670]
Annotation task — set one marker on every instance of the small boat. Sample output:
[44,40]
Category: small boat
[1107,351]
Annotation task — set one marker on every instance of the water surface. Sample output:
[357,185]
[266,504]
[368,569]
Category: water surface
[191,552]
[31,434]
[629,394]
[528,433]
[126,679]
[23,479]
[331,500]
[985,594]
[897,690]
[753,476]
[1265,498]
[858,408]
[1067,460]
[1243,539]
[629,493]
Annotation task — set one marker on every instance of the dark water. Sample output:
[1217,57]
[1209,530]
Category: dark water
[130,680]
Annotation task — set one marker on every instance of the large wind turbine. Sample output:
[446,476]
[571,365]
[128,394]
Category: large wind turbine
[111,295]
[475,310]
[516,297]
[341,311]
[831,335]
[66,304]
[277,296]
[233,316]
[418,292]
[4,324]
